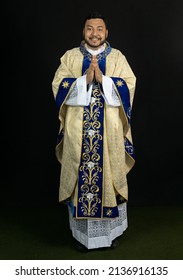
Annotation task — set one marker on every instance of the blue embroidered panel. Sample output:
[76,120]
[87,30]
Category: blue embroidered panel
[86,64]
[90,177]
[91,166]
[63,91]
[129,148]
[108,212]
[124,94]
[125,98]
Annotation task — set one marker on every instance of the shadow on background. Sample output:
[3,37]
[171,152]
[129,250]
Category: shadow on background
[43,234]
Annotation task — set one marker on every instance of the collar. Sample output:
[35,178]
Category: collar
[103,51]
[95,52]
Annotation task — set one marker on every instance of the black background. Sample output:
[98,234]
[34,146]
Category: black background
[35,35]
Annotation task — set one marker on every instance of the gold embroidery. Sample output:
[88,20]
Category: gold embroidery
[109,212]
[121,198]
[90,166]
[119,83]
[65,84]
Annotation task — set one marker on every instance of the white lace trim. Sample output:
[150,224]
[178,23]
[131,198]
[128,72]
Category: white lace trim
[110,94]
[72,96]
[79,96]
[99,233]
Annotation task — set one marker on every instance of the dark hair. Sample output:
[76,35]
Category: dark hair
[96,14]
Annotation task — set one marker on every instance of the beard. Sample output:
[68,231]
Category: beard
[92,45]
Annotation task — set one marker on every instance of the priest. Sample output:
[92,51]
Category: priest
[94,89]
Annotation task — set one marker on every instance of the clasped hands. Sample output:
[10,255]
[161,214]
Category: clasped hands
[94,72]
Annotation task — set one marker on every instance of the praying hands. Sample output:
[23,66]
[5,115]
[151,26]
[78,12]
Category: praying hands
[94,72]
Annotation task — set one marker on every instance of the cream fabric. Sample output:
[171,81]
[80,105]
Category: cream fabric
[116,162]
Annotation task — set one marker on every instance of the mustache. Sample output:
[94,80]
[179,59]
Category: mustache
[95,37]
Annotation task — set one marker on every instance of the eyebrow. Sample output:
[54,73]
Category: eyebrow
[88,25]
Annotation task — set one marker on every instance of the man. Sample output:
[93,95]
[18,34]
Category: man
[94,89]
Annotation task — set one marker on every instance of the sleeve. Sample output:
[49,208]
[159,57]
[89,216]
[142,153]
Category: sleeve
[67,89]
[124,83]
[79,95]
[63,72]
[109,93]
[126,74]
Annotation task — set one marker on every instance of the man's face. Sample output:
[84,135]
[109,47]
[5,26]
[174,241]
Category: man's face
[95,33]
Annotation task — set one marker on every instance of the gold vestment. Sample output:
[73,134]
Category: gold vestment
[116,161]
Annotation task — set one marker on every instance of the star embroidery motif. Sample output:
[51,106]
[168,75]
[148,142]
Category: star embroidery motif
[121,198]
[65,84]
[109,212]
[119,83]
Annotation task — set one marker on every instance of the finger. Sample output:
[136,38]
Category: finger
[94,58]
